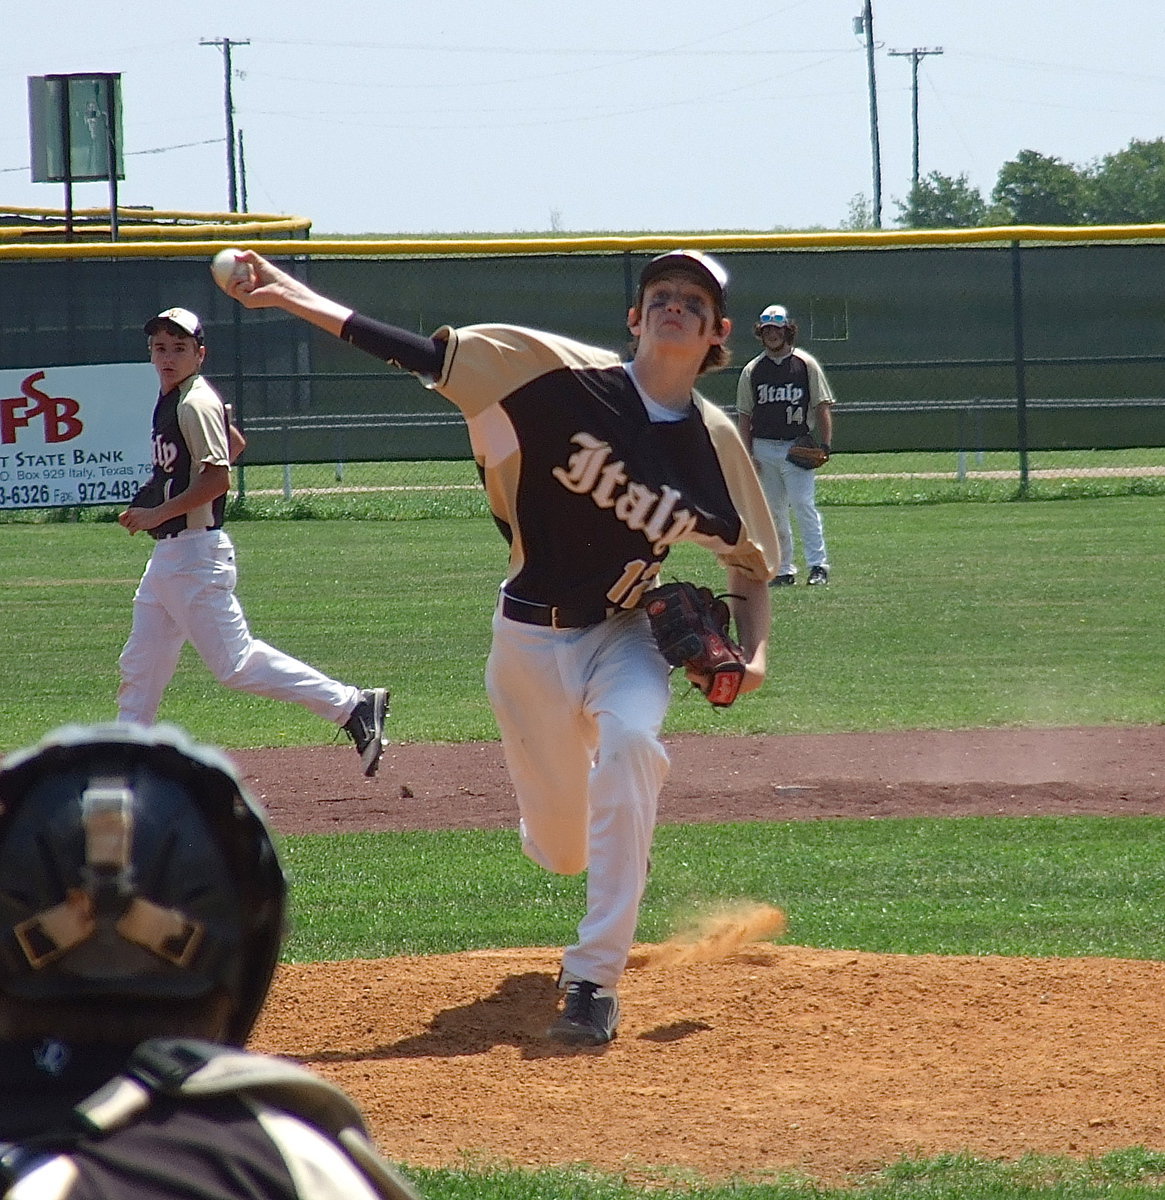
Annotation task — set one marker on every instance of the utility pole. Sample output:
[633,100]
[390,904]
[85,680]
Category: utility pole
[225,45]
[242,175]
[864,24]
[916,56]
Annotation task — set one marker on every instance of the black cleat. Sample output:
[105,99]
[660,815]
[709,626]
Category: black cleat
[783,581]
[590,1016]
[366,727]
[818,575]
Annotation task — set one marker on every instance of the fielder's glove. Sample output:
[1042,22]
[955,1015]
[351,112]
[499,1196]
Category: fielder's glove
[809,454]
[149,495]
[690,626]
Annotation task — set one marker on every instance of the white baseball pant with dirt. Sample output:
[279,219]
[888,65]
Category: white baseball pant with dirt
[790,489]
[579,712]
[187,594]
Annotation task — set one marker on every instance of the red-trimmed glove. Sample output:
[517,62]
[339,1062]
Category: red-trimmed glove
[691,629]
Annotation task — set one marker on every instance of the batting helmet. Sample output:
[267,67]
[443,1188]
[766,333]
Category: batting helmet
[776,316]
[134,864]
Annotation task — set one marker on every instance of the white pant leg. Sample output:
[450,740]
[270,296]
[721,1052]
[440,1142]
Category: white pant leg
[197,588]
[629,695]
[769,457]
[801,488]
[548,739]
[150,655]
[580,713]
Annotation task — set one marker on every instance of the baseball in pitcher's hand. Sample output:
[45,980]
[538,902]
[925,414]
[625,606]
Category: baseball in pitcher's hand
[267,287]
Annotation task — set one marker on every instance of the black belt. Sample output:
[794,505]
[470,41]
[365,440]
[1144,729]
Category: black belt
[553,615]
[165,537]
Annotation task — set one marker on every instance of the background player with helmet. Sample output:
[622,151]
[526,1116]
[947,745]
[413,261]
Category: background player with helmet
[783,398]
[142,912]
[187,593]
[594,468]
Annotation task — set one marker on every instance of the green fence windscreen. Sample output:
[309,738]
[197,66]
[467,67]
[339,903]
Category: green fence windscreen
[927,348]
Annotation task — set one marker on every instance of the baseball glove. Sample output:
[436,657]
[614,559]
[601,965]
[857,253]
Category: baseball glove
[809,454]
[691,629]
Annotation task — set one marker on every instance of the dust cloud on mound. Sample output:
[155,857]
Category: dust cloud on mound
[716,936]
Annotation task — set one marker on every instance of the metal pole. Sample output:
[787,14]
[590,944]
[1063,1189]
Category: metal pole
[67,145]
[1020,365]
[242,175]
[914,113]
[111,150]
[229,102]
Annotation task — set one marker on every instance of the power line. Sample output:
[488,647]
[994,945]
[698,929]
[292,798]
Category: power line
[916,56]
[131,153]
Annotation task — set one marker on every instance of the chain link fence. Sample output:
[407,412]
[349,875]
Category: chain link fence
[960,369]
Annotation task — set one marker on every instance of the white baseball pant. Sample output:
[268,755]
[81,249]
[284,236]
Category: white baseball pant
[579,712]
[790,489]
[187,594]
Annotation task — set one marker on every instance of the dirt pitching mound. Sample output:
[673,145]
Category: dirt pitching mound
[773,1058]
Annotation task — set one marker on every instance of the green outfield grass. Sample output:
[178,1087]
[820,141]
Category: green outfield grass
[936,616]
[1079,886]
[391,488]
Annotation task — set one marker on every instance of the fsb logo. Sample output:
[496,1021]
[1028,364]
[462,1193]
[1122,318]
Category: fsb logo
[59,414]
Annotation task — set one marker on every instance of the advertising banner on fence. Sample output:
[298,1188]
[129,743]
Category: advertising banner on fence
[74,435]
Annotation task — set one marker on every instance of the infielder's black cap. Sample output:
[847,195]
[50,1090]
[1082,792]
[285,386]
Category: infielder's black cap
[705,268]
[183,318]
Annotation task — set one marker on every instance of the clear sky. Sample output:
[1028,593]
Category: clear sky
[503,116]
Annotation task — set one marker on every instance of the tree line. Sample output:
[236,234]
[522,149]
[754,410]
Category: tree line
[1125,188]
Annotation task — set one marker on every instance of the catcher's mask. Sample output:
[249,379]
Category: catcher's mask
[133,863]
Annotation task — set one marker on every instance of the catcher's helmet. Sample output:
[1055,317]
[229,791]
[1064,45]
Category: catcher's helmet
[133,864]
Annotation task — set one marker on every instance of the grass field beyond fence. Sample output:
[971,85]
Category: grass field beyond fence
[936,616]
[922,477]
[404,491]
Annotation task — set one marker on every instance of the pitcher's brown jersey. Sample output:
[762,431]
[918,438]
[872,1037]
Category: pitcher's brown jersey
[591,493]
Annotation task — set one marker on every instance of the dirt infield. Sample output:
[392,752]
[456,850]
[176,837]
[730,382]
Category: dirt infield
[776,1057]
